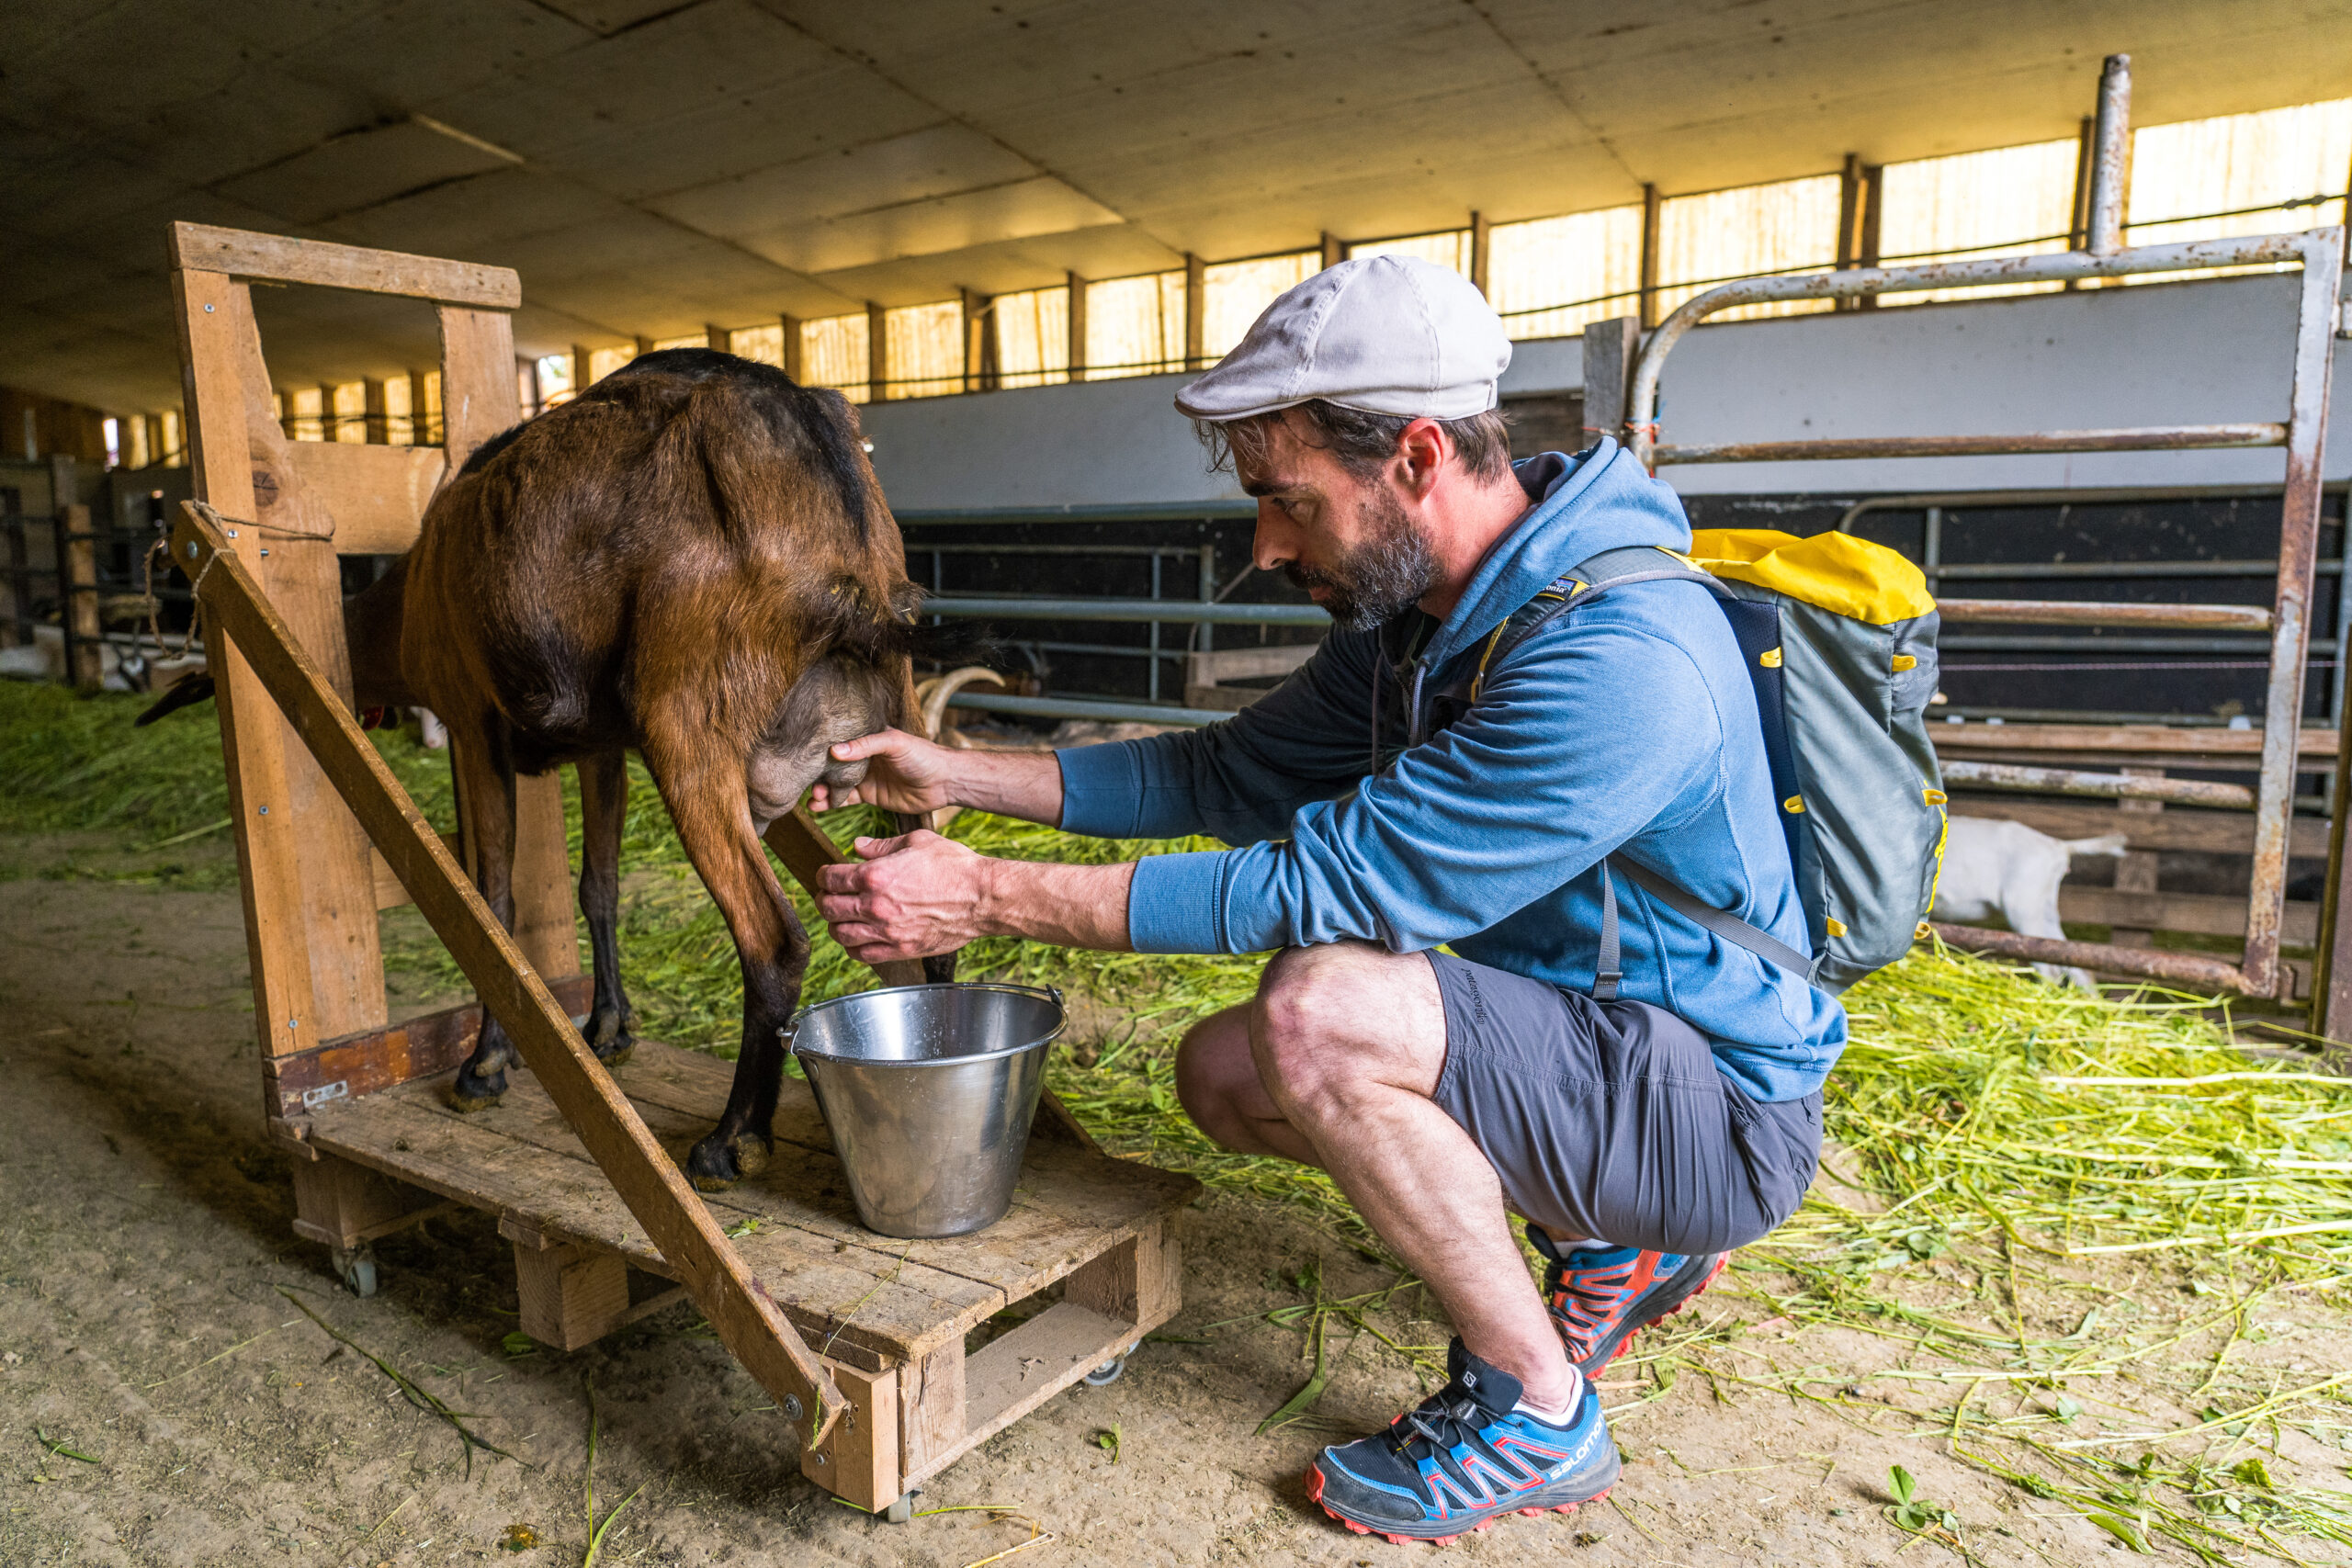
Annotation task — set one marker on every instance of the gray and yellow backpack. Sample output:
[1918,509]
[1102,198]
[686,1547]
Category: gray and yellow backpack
[1838,636]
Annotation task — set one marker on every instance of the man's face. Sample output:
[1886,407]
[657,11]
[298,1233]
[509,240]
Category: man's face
[1351,543]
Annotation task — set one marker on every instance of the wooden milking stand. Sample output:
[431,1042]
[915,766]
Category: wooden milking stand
[581,1164]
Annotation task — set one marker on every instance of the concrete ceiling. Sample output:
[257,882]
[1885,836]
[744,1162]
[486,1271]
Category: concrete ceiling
[652,165]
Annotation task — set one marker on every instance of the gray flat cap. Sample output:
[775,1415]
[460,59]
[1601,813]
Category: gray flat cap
[1379,334]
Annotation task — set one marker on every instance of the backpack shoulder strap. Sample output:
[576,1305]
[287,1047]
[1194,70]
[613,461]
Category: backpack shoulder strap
[1613,569]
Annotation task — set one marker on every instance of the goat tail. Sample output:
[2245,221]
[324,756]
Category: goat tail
[2105,844]
[190,689]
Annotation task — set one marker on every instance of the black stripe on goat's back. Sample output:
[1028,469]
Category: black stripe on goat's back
[813,419]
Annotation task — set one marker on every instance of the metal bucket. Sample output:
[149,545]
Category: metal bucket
[928,1091]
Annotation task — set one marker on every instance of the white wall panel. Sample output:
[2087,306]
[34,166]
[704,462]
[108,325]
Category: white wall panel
[2158,355]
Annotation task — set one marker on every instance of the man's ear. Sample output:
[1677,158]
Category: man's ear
[1422,448]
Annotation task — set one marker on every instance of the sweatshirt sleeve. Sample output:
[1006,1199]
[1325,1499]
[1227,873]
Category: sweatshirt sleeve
[1242,778]
[1586,735]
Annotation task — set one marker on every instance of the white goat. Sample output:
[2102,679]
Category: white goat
[1992,866]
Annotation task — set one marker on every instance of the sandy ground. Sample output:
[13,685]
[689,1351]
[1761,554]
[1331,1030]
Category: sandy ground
[145,1321]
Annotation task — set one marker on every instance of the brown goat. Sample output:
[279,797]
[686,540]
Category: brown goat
[691,559]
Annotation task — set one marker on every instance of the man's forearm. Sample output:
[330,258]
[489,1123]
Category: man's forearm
[1070,905]
[1026,784]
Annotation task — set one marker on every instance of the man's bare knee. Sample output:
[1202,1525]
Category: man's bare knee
[1331,1017]
[1215,1078]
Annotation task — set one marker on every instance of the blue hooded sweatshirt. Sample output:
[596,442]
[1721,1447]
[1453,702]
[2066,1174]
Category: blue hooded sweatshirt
[1628,726]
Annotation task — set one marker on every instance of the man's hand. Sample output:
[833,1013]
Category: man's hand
[919,895]
[908,898]
[903,772]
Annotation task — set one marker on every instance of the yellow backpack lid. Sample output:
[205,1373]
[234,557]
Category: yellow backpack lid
[1839,573]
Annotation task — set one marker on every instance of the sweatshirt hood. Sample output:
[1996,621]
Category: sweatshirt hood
[1598,499]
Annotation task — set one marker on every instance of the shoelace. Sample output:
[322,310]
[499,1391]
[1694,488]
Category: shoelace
[1441,1423]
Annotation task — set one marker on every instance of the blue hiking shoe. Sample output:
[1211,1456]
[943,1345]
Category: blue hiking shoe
[1600,1298]
[1464,1457]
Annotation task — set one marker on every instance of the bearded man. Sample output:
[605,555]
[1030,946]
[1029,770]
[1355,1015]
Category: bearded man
[1425,812]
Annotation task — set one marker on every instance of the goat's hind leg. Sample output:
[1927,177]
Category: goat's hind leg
[604,799]
[484,766]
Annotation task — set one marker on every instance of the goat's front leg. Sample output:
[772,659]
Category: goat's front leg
[603,798]
[485,773]
[711,808]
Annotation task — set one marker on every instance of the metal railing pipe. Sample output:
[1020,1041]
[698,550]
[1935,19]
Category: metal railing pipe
[1085,707]
[2105,612]
[2060,497]
[2110,157]
[1178,611]
[2106,786]
[2139,438]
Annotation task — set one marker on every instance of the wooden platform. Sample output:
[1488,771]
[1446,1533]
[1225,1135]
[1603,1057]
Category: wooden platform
[888,1317]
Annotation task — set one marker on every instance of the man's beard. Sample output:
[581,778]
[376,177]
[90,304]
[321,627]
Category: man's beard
[1389,569]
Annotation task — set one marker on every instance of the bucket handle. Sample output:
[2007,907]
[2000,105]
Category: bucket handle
[791,1028]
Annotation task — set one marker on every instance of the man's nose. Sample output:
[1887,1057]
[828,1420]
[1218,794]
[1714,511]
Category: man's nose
[1273,545]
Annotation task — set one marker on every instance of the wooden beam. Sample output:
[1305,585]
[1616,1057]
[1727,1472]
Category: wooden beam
[877,353]
[2178,741]
[385,1058]
[1649,256]
[377,412]
[796,355]
[2211,832]
[78,558]
[713,336]
[2198,914]
[859,1461]
[1335,250]
[1195,312]
[678,1222]
[1874,188]
[376,495]
[1481,242]
[1077,288]
[201,247]
[980,345]
[310,897]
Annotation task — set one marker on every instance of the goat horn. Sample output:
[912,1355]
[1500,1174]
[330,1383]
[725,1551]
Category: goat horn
[934,693]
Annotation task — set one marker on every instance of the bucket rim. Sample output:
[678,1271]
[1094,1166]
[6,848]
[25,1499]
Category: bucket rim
[790,1031]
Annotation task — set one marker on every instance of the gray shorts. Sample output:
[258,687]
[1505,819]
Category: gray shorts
[1609,1121]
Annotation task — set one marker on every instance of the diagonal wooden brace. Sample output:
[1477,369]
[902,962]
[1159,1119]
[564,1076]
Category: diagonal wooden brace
[675,1218]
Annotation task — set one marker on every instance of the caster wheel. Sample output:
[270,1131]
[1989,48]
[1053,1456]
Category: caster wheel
[902,1510]
[357,1270]
[1108,1372]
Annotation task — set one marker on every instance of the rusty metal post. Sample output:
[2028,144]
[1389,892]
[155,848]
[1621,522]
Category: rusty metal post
[2291,627]
[2111,157]
[1608,362]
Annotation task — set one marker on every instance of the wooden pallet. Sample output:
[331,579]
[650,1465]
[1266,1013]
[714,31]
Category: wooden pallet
[889,1317]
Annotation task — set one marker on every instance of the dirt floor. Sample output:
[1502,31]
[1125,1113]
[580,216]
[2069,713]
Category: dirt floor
[165,1400]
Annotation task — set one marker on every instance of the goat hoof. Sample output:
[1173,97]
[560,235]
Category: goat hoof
[616,1053]
[471,1091]
[716,1164]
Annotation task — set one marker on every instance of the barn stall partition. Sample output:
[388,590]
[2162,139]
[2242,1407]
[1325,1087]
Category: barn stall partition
[1621,372]
[581,1164]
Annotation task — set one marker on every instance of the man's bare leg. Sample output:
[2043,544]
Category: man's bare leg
[1335,1063]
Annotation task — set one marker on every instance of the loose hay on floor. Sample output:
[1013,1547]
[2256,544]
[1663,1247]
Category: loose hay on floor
[2072,1207]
